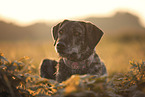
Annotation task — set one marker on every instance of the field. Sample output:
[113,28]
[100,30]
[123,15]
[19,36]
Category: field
[20,61]
[115,51]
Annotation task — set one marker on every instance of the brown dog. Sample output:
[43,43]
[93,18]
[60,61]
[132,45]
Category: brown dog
[75,42]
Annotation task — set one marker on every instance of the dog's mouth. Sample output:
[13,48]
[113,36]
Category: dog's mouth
[61,47]
[61,51]
[66,52]
[72,56]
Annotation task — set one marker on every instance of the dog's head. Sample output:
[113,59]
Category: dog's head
[72,38]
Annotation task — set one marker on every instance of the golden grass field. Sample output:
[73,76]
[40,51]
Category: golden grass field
[115,52]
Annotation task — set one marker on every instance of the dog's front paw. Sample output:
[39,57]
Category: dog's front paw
[48,69]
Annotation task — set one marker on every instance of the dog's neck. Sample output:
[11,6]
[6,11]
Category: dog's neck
[80,64]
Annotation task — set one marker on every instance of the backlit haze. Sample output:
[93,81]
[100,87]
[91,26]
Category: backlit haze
[25,12]
[25,28]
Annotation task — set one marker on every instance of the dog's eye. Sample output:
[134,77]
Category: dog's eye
[61,32]
[77,33]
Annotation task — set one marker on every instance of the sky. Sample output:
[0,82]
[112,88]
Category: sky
[24,12]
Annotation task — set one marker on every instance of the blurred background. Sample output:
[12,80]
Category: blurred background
[25,28]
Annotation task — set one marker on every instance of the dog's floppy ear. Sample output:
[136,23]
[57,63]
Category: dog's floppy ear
[55,31]
[93,35]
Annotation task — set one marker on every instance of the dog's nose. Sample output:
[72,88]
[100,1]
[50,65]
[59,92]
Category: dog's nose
[60,46]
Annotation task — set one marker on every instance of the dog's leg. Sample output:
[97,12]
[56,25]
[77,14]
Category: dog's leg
[48,69]
[63,72]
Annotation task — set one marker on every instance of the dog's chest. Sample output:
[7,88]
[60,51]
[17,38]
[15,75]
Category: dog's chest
[77,67]
[80,67]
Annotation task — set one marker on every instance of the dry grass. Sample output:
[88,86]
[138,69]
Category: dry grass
[18,78]
[115,54]
[36,50]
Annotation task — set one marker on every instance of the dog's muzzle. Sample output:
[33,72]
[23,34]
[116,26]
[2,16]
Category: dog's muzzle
[60,47]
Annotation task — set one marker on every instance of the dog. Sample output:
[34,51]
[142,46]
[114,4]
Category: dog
[75,42]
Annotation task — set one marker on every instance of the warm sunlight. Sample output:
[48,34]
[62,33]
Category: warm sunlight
[72,48]
[27,11]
